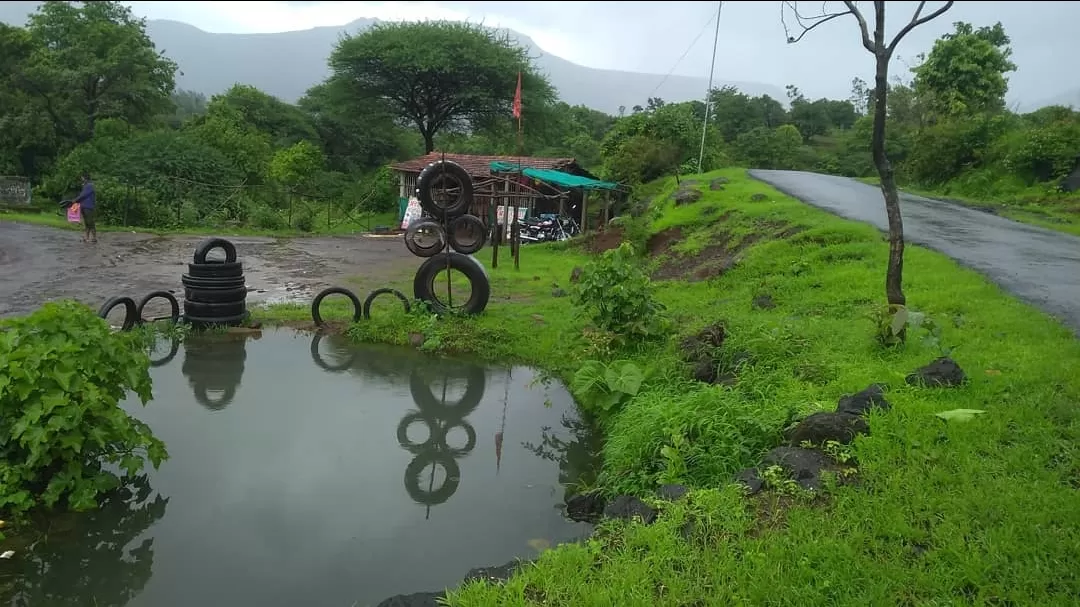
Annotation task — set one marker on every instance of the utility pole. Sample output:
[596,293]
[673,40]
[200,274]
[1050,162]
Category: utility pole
[712,68]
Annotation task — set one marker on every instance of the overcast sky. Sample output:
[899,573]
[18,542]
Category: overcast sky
[651,36]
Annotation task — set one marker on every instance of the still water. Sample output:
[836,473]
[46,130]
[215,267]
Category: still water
[305,470]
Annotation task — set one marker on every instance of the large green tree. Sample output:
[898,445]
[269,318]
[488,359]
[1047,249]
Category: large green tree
[965,71]
[437,75]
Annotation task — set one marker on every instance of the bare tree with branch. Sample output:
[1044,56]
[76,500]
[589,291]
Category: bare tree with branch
[874,42]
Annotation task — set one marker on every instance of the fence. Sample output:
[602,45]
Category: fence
[15,191]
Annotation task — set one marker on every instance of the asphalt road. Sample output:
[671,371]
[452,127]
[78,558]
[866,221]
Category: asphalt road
[1038,266]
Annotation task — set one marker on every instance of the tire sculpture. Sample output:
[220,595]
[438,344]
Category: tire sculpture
[443,419]
[214,290]
[445,191]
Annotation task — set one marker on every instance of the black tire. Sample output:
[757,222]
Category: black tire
[444,174]
[210,244]
[203,323]
[358,309]
[377,292]
[216,269]
[470,224]
[321,363]
[424,287]
[202,397]
[174,348]
[430,405]
[191,282]
[174,306]
[214,310]
[131,314]
[437,495]
[413,232]
[216,295]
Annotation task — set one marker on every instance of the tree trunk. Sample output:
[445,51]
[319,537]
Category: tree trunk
[429,142]
[894,274]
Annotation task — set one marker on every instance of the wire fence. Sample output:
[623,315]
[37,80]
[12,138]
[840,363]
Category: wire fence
[15,191]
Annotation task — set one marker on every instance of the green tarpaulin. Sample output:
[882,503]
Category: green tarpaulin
[553,177]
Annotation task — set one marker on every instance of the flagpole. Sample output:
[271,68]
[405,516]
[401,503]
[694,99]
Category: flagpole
[708,93]
[520,135]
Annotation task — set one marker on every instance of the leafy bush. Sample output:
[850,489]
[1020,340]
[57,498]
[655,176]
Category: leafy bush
[60,419]
[617,293]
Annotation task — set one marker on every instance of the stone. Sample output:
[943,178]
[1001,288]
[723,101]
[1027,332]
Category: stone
[759,197]
[575,275]
[672,492]
[416,339]
[824,426]
[751,480]
[558,293]
[498,574]
[628,507]
[860,403]
[687,196]
[802,465]
[585,508]
[942,372]
[718,183]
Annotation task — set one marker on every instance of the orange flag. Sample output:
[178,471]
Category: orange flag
[517,99]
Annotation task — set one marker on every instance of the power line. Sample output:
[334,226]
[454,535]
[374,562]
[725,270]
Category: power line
[708,91]
[685,53]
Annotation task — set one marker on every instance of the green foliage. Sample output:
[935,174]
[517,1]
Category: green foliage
[965,71]
[297,165]
[618,295]
[602,388]
[61,424]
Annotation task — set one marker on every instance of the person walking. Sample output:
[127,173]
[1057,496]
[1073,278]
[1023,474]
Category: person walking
[87,200]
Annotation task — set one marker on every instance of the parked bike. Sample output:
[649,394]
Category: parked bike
[548,227]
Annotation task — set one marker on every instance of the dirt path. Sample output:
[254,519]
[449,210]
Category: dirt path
[1038,266]
[39,264]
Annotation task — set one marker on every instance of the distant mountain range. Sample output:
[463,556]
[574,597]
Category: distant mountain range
[287,64]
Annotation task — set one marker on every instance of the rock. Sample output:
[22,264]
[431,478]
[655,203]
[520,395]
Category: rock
[822,427]
[575,275]
[705,370]
[718,183]
[585,508]
[802,465]
[751,479]
[494,574]
[759,197]
[942,372]
[763,302]
[1072,182]
[416,339]
[672,493]
[417,599]
[558,293]
[687,196]
[628,507]
[860,403]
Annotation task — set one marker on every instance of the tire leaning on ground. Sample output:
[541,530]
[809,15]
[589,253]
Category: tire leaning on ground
[216,269]
[469,224]
[131,314]
[444,174]
[174,306]
[377,292]
[424,283]
[210,244]
[316,316]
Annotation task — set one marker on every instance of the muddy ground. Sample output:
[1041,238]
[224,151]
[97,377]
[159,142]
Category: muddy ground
[39,263]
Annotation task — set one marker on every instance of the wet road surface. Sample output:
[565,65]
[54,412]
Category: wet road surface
[39,263]
[1039,266]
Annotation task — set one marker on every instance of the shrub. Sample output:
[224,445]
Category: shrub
[617,294]
[60,417]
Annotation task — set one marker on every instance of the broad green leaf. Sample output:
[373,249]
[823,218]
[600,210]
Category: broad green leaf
[960,415]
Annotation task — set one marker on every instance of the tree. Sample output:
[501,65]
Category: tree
[874,41]
[965,71]
[91,62]
[438,75]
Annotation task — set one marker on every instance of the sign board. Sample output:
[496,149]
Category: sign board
[500,213]
[412,213]
[14,191]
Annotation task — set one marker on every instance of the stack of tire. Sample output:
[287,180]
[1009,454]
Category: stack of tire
[215,292]
[445,191]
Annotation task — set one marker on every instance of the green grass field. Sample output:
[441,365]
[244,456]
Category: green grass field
[982,512]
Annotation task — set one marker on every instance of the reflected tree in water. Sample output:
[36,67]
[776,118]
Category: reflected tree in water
[214,367]
[90,558]
[577,457]
[441,417]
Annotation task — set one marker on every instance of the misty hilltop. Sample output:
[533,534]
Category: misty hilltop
[287,64]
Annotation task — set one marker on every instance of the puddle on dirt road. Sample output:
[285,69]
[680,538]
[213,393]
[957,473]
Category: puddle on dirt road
[308,471]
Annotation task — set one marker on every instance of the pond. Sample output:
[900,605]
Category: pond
[305,470]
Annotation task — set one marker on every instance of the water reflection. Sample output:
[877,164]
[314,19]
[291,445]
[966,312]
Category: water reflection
[214,366]
[576,457]
[91,558]
[440,416]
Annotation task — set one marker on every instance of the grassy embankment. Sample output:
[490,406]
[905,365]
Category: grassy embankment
[361,224]
[1060,212]
[976,512]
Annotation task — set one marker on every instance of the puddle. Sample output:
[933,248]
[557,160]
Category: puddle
[308,471]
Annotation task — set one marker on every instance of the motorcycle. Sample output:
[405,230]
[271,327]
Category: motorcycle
[548,227]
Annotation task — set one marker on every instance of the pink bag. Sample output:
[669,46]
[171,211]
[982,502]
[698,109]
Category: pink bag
[74,213]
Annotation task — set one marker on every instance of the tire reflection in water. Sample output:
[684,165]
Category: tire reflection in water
[214,366]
